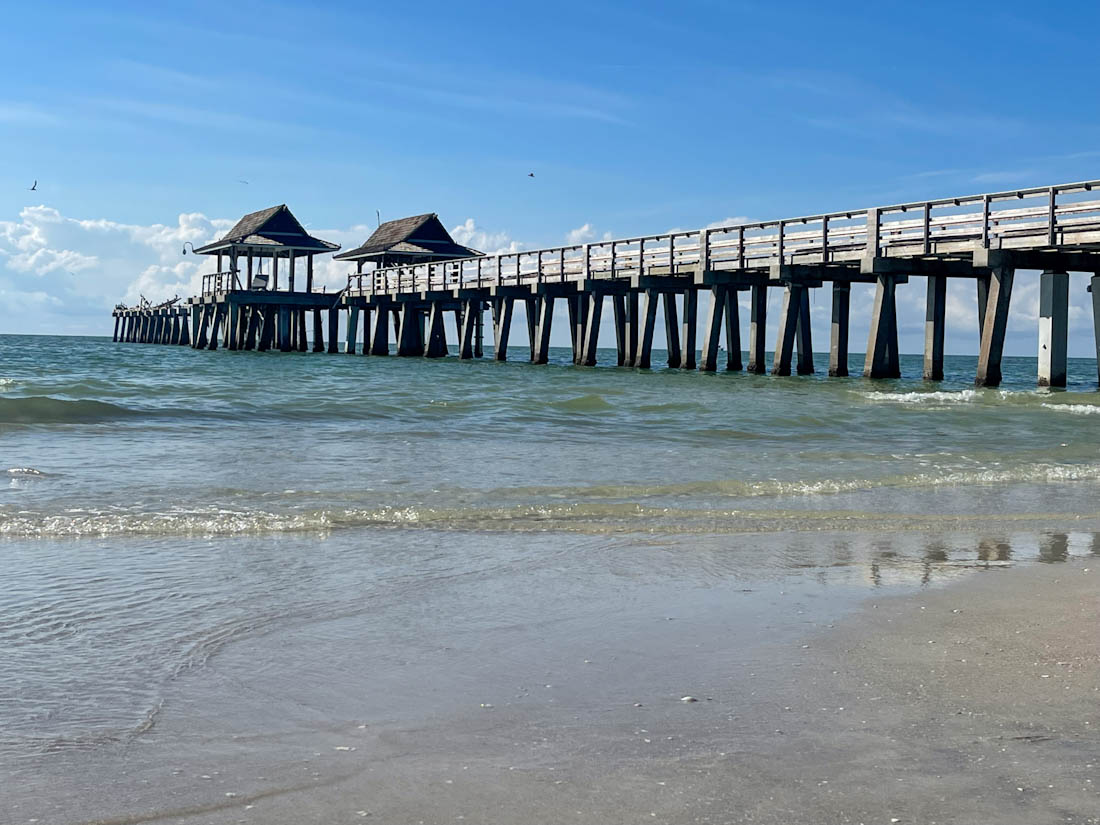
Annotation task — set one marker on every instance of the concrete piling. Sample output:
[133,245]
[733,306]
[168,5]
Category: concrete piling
[1053,328]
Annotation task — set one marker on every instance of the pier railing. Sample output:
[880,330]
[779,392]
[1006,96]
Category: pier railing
[220,281]
[1062,216]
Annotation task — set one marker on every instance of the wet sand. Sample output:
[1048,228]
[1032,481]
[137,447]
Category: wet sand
[977,702]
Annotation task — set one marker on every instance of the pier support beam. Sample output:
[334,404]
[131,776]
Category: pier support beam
[803,335]
[648,322]
[366,313]
[284,329]
[468,329]
[115,336]
[410,338]
[578,313]
[185,325]
[300,315]
[1094,288]
[882,343]
[318,332]
[502,326]
[935,312]
[687,329]
[758,319]
[591,337]
[994,327]
[380,337]
[437,334]
[333,330]
[352,330]
[198,326]
[838,337]
[1053,328]
[719,297]
[267,328]
[618,307]
[215,326]
[733,332]
[233,326]
[631,329]
[788,328]
[544,319]
[672,329]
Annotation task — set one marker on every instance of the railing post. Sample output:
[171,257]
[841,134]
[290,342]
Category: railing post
[561,264]
[927,228]
[985,221]
[641,258]
[1052,236]
[825,239]
[782,226]
[613,260]
[704,251]
[587,261]
[873,246]
[740,247]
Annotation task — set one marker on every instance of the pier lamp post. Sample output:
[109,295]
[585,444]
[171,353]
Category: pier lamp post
[189,244]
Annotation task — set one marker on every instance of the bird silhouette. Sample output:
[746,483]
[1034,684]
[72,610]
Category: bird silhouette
[34,188]
[530,174]
[242,181]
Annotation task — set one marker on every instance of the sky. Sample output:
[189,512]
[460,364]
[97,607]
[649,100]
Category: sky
[147,126]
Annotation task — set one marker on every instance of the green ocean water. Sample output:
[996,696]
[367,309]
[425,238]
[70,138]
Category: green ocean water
[163,510]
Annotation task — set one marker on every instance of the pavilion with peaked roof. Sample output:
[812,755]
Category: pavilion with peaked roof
[270,233]
[415,240]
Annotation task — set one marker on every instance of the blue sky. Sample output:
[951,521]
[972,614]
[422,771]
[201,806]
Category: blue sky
[139,122]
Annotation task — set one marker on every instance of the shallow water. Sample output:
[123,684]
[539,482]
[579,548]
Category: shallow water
[389,521]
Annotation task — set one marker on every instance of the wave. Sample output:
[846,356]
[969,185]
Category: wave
[42,409]
[591,509]
[937,397]
[1075,409]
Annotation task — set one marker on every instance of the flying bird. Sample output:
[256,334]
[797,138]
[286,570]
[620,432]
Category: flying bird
[530,174]
[242,181]
[34,188]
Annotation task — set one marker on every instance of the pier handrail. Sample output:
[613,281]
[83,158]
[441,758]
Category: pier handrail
[938,226]
[215,282]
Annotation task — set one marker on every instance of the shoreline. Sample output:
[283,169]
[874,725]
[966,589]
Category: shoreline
[818,720]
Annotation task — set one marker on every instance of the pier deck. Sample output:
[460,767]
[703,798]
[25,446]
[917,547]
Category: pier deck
[983,238]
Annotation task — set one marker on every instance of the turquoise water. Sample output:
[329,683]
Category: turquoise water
[172,520]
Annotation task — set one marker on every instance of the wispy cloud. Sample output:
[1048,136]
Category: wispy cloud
[24,114]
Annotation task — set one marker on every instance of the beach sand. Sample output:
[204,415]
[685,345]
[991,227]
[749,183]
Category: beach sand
[976,702]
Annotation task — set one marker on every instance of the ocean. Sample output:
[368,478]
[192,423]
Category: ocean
[233,556]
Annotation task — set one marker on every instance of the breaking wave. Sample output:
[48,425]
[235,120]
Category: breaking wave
[41,409]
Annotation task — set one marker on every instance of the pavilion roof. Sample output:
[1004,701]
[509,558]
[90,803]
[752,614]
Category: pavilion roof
[415,236]
[274,227]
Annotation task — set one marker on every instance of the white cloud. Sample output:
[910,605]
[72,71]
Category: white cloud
[470,234]
[585,234]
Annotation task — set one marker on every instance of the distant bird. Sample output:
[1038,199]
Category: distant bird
[242,181]
[530,174]
[35,187]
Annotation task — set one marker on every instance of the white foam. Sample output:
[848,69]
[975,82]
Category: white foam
[1075,409]
[938,397]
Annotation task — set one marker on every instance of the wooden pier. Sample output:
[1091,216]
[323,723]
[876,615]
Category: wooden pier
[985,239]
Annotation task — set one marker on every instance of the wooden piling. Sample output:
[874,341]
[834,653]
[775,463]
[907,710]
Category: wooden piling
[334,330]
[688,328]
[380,337]
[352,331]
[994,328]
[803,335]
[410,341]
[618,308]
[713,329]
[1053,328]
[672,329]
[788,327]
[470,310]
[502,326]
[838,337]
[648,322]
[437,335]
[590,338]
[545,319]
[758,318]
[935,312]
[882,343]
